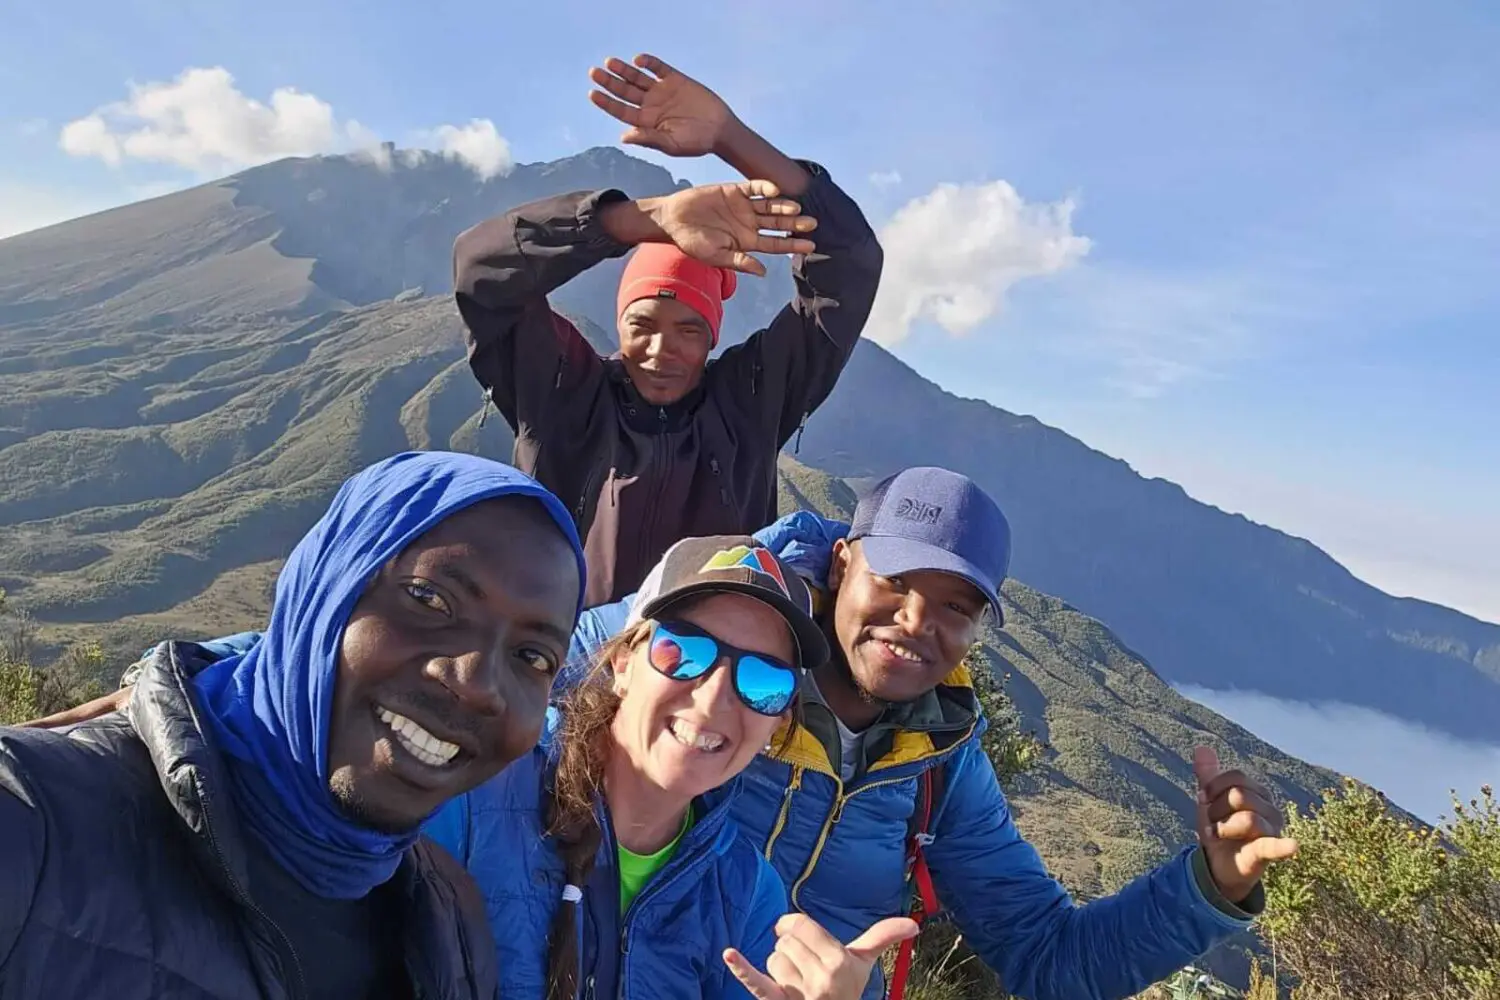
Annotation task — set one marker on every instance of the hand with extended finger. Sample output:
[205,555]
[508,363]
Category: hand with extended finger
[811,964]
[666,110]
[720,224]
[1238,827]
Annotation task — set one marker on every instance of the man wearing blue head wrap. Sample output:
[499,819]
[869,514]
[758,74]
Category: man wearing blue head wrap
[248,827]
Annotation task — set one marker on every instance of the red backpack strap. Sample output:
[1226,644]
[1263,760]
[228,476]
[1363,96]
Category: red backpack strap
[922,901]
[936,778]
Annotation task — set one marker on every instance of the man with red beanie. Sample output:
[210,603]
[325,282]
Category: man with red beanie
[655,444]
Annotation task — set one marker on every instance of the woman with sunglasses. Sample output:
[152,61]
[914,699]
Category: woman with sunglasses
[608,859]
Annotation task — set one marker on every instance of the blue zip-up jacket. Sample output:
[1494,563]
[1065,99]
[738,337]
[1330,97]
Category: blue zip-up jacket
[715,892]
[840,847]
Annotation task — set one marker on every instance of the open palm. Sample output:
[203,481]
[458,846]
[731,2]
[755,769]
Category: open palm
[666,110]
[721,224]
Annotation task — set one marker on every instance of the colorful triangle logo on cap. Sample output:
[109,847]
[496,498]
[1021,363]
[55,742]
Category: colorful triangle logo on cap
[757,560]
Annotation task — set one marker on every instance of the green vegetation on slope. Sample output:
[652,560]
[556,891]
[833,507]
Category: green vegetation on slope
[1379,908]
[27,692]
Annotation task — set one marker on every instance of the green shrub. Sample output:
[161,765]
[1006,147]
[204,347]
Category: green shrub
[27,692]
[1377,907]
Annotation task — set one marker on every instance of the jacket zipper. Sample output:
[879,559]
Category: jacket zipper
[786,808]
[646,892]
[658,460]
[291,952]
[589,486]
[713,466]
[834,815]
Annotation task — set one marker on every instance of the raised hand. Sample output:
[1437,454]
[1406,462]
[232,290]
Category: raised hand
[811,964]
[666,110]
[720,224]
[1238,826]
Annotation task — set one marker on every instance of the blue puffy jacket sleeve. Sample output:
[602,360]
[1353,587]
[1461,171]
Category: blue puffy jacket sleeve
[804,541]
[1025,926]
[767,907]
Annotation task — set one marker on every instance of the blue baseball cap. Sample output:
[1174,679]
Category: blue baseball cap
[932,519]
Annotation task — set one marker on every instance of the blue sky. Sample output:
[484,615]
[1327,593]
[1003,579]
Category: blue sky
[1251,248]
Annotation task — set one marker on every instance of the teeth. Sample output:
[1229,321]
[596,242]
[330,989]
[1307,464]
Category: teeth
[903,652]
[691,736]
[417,741]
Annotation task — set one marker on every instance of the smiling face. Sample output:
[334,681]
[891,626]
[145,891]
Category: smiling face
[900,636]
[687,737]
[447,661]
[664,345]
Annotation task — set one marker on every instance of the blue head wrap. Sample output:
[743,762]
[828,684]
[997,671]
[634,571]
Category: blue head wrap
[268,707]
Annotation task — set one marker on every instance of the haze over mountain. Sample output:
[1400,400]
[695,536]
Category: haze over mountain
[186,380]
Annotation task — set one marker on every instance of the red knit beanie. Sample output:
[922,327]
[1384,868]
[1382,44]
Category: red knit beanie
[660,270]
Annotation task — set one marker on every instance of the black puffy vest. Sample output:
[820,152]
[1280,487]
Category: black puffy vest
[123,867]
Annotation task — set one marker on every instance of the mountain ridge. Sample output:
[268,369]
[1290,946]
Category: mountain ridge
[1114,543]
[183,379]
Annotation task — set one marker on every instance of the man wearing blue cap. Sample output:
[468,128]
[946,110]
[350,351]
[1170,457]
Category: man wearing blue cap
[888,756]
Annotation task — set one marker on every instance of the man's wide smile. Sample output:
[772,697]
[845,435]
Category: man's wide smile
[895,654]
[419,744]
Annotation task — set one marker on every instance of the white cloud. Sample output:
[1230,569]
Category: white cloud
[1414,765]
[478,144]
[953,254]
[202,122]
[885,178]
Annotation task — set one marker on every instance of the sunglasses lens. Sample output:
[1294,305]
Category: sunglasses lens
[766,686]
[681,657]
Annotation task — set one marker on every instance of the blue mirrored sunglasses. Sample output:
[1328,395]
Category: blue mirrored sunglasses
[685,652]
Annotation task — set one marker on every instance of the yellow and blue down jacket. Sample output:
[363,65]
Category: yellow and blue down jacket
[840,847]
